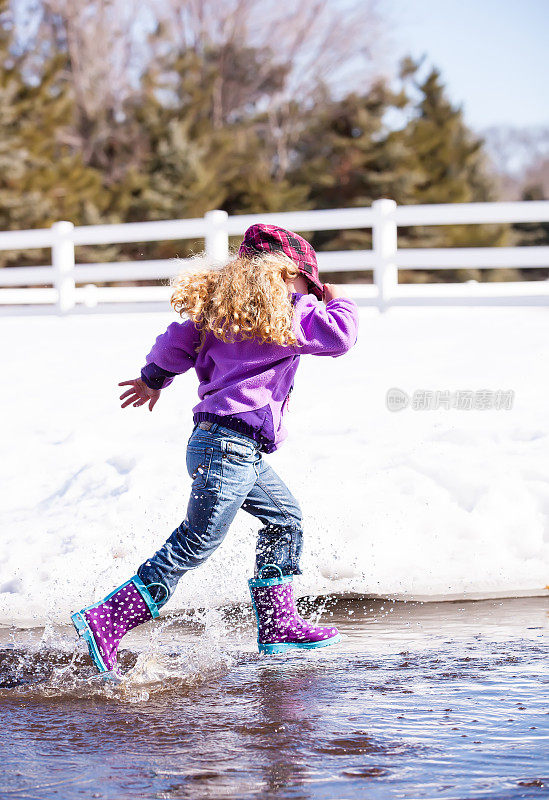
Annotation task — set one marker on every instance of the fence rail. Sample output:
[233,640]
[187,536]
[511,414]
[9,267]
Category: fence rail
[56,286]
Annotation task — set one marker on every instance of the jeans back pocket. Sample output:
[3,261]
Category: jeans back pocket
[199,460]
[239,451]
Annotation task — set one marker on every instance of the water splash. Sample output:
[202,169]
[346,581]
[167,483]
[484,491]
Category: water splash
[179,653]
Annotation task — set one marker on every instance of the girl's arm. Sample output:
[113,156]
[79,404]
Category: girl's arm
[155,377]
[173,353]
[325,330]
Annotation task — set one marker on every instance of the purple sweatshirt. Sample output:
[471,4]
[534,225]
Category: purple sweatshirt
[246,385]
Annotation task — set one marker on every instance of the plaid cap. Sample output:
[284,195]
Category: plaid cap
[272,239]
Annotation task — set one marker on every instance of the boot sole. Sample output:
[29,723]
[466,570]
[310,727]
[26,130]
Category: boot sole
[84,631]
[273,649]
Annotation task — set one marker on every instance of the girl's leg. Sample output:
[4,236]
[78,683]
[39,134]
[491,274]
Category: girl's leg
[280,541]
[223,469]
[279,625]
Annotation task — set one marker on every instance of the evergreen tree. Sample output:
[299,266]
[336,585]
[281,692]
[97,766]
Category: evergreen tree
[42,178]
[258,181]
[192,164]
[195,135]
[449,165]
[12,154]
[532,234]
[345,160]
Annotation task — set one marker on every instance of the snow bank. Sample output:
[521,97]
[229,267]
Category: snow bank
[413,504]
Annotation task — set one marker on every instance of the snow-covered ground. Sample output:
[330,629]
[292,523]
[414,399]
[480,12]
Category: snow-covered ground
[451,503]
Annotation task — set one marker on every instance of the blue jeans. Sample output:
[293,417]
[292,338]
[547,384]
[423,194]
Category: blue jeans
[228,473]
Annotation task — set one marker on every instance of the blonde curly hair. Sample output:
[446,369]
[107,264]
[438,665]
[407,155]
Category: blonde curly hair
[245,297]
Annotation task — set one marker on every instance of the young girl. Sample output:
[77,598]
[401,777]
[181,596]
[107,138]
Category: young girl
[249,322]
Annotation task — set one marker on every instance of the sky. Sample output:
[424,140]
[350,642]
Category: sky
[493,55]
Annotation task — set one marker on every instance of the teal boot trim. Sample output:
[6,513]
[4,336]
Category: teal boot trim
[273,649]
[83,630]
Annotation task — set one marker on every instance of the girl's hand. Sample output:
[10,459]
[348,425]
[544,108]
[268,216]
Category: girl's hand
[331,292]
[139,394]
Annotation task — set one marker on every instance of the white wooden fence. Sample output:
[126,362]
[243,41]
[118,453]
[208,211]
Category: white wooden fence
[65,286]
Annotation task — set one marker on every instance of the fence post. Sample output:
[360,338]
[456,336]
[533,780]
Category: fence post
[217,235]
[384,244]
[62,259]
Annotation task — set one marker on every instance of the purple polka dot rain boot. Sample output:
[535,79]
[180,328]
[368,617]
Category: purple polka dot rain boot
[103,624]
[279,626]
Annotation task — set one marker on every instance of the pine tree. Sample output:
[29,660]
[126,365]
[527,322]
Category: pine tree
[185,158]
[192,163]
[532,234]
[344,160]
[42,178]
[257,182]
[342,155]
[12,151]
[449,164]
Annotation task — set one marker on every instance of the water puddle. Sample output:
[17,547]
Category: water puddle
[445,700]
